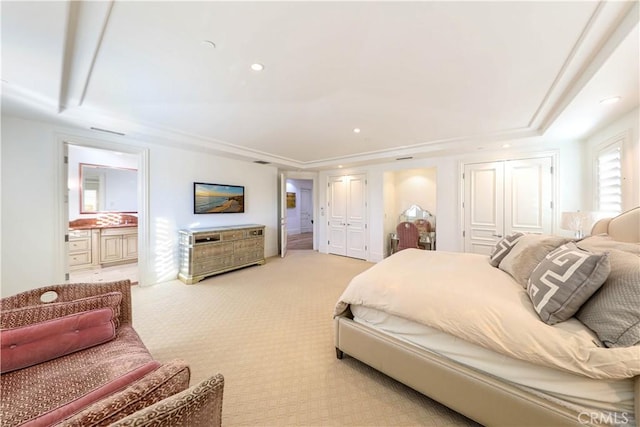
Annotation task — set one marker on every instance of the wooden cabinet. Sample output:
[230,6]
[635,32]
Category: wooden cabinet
[118,245]
[208,251]
[82,254]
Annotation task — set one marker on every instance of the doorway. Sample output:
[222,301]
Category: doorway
[403,189]
[102,213]
[300,220]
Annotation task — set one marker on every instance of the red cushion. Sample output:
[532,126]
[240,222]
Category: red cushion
[29,345]
[31,314]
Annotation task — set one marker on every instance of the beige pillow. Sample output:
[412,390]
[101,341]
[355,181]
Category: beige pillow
[527,254]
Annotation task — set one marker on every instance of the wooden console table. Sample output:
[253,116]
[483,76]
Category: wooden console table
[208,251]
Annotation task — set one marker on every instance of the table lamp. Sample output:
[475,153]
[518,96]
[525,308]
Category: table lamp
[577,222]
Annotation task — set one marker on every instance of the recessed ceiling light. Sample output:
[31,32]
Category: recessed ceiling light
[209,43]
[257,67]
[611,100]
[356,130]
[340,166]
[506,145]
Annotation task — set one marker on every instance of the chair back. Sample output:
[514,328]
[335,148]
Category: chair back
[423,225]
[408,235]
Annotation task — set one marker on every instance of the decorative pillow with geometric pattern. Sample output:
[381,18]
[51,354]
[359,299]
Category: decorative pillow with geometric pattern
[503,247]
[564,280]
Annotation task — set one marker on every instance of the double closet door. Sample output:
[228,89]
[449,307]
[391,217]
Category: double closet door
[347,216]
[504,197]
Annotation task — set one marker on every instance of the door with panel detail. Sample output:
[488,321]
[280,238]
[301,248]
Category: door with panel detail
[504,197]
[528,196]
[347,216]
[483,206]
[306,207]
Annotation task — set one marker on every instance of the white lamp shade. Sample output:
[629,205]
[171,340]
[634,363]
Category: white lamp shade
[577,221]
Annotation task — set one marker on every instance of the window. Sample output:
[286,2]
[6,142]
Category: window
[609,178]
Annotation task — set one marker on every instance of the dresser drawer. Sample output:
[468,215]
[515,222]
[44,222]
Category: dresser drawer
[252,243]
[212,265]
[248,257]
[80,258]
[75,234]
[205,251]
[232,235]
[79,245]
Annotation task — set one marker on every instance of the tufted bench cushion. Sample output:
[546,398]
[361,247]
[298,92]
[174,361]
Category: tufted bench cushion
[49,392]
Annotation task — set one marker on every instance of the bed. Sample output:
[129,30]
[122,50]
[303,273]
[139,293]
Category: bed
[485,338]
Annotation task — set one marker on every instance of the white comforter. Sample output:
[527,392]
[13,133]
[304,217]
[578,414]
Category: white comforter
[463,295]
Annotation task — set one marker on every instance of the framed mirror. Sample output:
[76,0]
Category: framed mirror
[108,189]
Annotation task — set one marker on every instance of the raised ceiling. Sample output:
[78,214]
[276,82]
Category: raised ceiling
[414,77]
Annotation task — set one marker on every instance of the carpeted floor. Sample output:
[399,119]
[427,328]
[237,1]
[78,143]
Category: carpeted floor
[268,329]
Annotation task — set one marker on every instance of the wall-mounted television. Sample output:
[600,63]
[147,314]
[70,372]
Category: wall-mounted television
[217,198]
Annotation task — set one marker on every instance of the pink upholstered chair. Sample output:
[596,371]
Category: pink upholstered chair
[423,225]
[408,235]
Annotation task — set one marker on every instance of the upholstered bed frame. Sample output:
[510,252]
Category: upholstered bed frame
[478,396]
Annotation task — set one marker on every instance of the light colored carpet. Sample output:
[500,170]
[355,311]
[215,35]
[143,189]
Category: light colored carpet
[268,329]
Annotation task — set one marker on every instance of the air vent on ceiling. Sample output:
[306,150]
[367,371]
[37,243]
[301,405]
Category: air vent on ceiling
[261,162]
[108,131]
[405,158]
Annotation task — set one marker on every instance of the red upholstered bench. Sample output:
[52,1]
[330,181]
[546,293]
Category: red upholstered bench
[78,361]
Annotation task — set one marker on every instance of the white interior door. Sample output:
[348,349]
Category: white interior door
[337,215]
[504,197]
[483,206]
[347,216]
[306,207]
[528,196]
[356,214]
[283,215]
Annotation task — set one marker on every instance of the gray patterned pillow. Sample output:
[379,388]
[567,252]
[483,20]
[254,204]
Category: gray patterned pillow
[529,250]
[613,312]
[564,280]
[503,247]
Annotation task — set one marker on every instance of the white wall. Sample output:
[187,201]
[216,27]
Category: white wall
[32,230]
[415,187]
[630,123]
[448,198]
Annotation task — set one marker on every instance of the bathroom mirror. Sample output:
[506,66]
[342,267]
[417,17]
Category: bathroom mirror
[108,189]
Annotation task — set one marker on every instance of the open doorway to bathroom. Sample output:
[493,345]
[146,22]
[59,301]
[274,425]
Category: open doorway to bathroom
[300,218]
[102,214]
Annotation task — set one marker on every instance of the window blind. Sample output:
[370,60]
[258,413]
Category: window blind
[610,179]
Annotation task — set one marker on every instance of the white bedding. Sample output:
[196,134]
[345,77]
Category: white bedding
[462,295]
[605,395]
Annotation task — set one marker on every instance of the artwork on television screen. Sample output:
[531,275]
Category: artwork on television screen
[217,198]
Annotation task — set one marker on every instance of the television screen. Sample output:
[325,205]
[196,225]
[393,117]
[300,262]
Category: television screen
[217,198]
